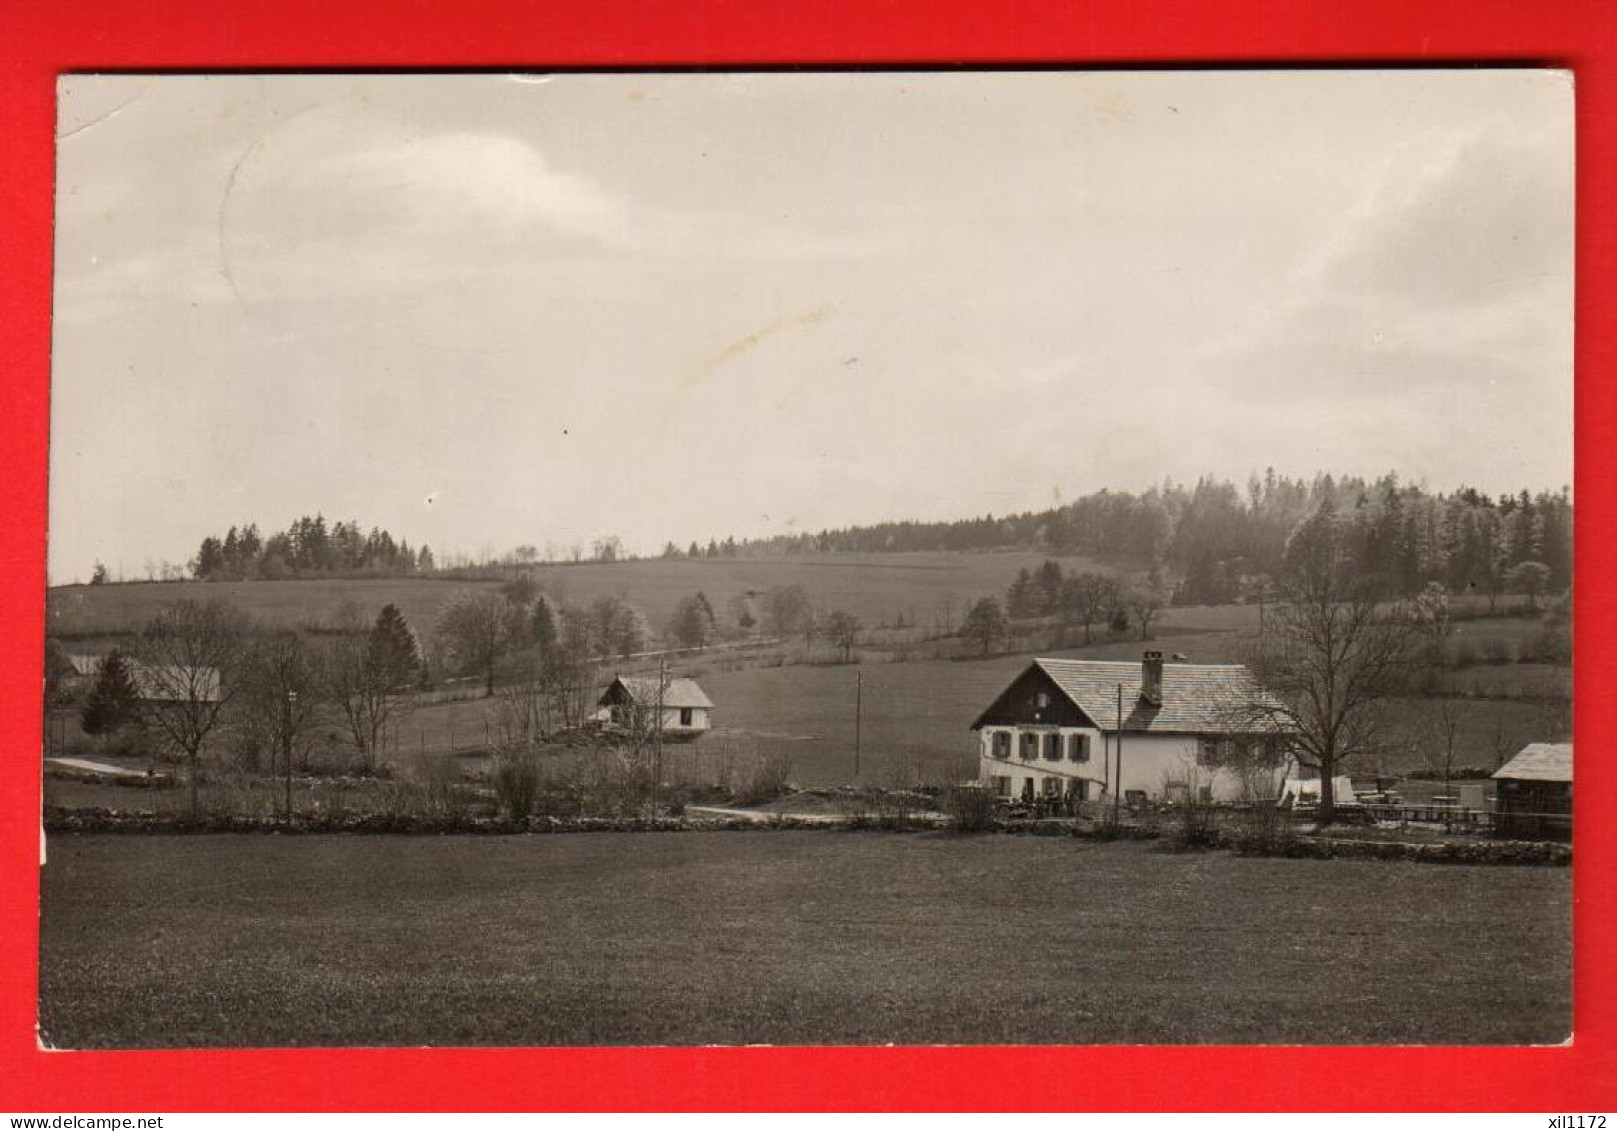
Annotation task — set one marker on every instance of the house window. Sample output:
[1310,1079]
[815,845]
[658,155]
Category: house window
[1002,745]
[1207,751]
[685,716]
[1052,787]
[1027,789]
[1052,748]
[1041,700]
[1078,747]
[1001,784]
[1030,746]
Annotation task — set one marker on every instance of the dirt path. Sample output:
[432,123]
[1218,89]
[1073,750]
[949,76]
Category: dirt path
[768,818]
[84,765]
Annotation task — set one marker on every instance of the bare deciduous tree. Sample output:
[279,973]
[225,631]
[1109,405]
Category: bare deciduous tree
[523,701]
[1444,746]
[474,631]
[1332,654]
[1146,600]
[1088,597]
[843,629]
[190,655]
[369,674]
[785,609]
[282,697]
[569,668]
[985,625]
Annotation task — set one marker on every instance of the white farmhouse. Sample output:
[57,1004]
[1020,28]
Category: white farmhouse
[687,712]
[1079,729]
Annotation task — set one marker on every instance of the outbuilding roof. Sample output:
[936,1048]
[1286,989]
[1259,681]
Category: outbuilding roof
[1196,698]
[158,682]
[173,683]
[1539,761]
[679,693]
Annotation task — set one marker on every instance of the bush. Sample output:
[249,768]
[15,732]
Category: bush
[1500,650]
[516,784]
[1551,644]
[1193,826]
[1263,829]
[857,806]
[128,742]
[896,808]
[1108,825]
[1463,652]
[970,808]
[768,780]
[442,791]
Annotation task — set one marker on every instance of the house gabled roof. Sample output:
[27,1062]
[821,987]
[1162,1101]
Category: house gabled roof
[1539,761]
[680,692]
[1196,698]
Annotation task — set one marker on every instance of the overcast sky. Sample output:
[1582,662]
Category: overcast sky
[487,310]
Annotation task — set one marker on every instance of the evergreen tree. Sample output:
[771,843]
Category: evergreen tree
[1046,594]
[1019,600]
[113,698]
[392,650]
[211,560]
[544,629]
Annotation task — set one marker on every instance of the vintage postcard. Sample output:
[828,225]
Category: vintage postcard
[644,559]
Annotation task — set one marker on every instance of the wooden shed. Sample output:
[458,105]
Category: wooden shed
[1534,799]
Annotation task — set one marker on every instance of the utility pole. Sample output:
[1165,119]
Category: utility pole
[858,716]
[286,750]
[1117,795]
[657,779]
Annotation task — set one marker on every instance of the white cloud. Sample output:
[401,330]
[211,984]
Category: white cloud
[1453,270]
[481,180]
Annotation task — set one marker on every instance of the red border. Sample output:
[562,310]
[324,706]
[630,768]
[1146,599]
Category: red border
[41,38]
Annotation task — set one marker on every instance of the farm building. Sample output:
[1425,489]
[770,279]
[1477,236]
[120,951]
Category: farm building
[1187,731]
[155,683]
[687,712]
[1534,798]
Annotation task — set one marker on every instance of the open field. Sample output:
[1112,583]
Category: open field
[876,587]
[738,937]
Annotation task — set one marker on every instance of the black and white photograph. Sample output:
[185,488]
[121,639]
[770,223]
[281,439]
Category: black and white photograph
[622,558]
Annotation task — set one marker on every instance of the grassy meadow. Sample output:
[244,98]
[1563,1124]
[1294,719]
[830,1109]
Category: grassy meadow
[878,588]
[736,938]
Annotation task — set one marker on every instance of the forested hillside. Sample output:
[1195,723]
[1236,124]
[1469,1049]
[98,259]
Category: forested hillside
[1216,537]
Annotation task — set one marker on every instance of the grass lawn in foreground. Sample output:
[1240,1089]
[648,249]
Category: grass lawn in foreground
[784,938]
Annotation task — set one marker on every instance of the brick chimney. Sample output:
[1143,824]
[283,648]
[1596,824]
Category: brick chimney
[1151,679]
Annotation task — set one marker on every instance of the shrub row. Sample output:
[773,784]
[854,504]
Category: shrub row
[1249,842]
[123,821]
[1449,852]
[90,777]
